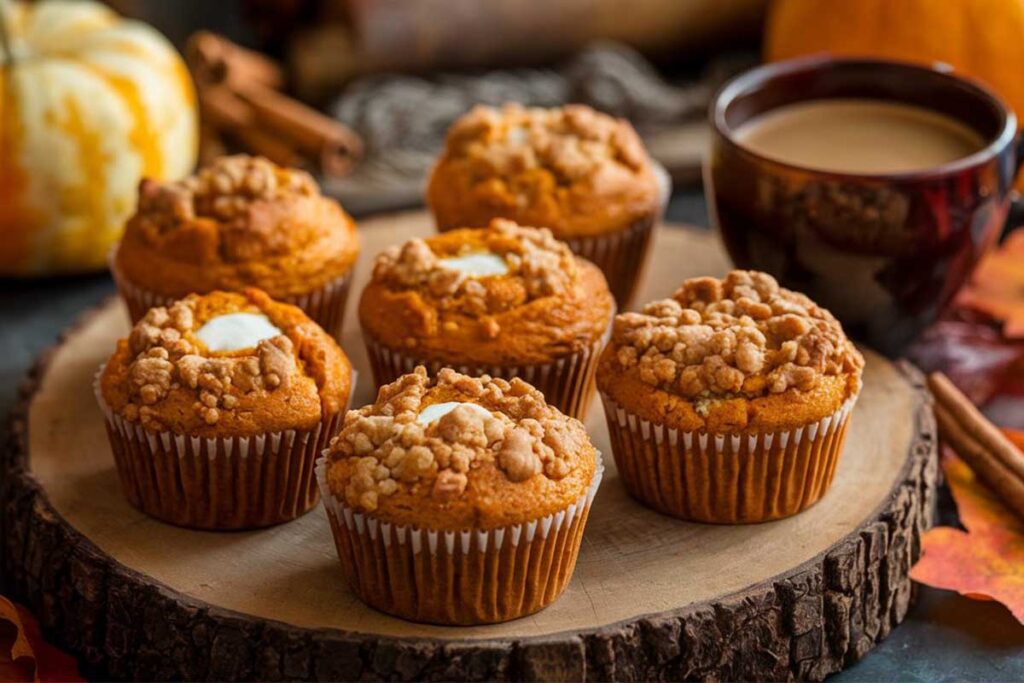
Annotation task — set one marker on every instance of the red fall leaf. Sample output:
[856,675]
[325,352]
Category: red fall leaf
[24,655]
[974,355]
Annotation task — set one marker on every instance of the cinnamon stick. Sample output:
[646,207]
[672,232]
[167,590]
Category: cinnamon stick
[238,99]
[261,143]
[215,59]
[990,469]
[976,425]
[223,109]
[333,145]
[228,114]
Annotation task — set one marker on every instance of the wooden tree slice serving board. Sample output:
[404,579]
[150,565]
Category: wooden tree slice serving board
[652,597]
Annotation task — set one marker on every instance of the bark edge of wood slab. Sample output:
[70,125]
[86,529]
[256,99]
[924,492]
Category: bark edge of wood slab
[815,619]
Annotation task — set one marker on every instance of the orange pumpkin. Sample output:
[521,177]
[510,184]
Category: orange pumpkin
[980,38]
[89,104]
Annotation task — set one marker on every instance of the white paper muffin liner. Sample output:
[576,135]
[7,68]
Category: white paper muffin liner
[222,483]
[457,577]
[567,382]
[325,305]
[726,478]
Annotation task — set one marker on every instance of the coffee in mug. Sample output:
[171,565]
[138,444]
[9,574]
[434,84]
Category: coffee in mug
[873,187]
[864,136]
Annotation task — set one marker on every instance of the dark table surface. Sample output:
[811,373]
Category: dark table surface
[944,638]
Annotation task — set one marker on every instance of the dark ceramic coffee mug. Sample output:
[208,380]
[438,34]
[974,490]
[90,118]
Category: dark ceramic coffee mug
[884,252]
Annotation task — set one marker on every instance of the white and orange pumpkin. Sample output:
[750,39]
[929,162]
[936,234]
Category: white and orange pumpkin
[89,104]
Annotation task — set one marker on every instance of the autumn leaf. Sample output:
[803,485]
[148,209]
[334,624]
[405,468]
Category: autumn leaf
[997,286]
[975,356]
[17,661]
[987,560]
[25,655]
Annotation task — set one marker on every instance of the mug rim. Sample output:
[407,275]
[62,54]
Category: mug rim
[756,78]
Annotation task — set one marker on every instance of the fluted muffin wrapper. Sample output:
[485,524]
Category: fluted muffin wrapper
[325,305]
[223,483]
[726,478]
[566,382]
[457,577]
[620,255]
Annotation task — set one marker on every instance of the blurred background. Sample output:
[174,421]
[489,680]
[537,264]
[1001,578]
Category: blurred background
[360,92]
[398,73]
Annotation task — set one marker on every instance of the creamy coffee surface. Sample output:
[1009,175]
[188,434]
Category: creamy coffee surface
[858,136]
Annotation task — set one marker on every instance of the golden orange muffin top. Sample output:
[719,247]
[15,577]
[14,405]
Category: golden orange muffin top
[240,222]
[460,453]
[571,169]
[226,364]
[504,294]
[731,354]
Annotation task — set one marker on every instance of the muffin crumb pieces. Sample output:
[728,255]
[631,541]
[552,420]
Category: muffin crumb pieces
[224,190]
[742,335]
[167,355]
[517,432]
[571,142]
[543,265]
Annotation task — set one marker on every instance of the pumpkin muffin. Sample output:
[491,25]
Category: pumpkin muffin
[730,401]
[459,500]
[583,174]
[218,406]
[505,300]
[240,222]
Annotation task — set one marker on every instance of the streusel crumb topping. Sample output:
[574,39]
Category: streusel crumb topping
[539,264]
[224,191]
[743,335]
[516,430]
[570,142]
[168,356]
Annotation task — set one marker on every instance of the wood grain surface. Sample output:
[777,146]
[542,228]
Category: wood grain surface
[651,597]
